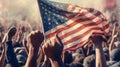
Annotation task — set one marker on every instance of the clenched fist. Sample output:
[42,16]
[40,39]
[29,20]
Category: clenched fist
[35,38]
[53,49]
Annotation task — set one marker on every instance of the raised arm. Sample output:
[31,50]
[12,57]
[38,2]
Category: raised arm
[100,57]
[53,50]
[2,57]
[34,39]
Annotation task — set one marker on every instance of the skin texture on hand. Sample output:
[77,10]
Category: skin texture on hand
[53,50]
[11,33]
[34,40]
[100,57]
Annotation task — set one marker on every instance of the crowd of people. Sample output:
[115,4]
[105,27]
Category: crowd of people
[24,45]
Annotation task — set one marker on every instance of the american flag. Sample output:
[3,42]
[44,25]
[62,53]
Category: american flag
[73,24]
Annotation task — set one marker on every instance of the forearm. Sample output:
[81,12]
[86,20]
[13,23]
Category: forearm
[32,58]
[111,45]
[100,57]
[2,58]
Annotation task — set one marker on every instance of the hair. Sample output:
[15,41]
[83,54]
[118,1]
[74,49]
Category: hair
[115,55]
[76,65]
[68,58]
[79,58]
[89,61]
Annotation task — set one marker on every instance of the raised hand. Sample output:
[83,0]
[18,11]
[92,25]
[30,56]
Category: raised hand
[11,33]
[100,57]
[53,49]
[35,39]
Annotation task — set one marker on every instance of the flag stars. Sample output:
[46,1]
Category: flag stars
[54,14]
[53,4]
[58,15]
[49,23]
[62,17]
[57,23]
[61,6]
[49,19]
[41,3]
[49,8]
[45,9]
[57,5]
[46,13]
[49,12]
[42,7]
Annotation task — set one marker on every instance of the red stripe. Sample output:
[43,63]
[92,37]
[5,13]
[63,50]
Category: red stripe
[80,36]
[72,48]
[64,28]
[105,26]
[68,26]
[100,20]
[61,29]
[78,29]
[85,13]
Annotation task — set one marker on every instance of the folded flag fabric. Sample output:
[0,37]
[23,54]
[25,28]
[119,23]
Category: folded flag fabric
[73,24]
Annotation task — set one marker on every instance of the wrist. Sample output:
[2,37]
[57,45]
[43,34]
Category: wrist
[9,38]
[33,50]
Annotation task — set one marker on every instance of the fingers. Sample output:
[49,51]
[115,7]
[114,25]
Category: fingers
[12,31]
[59,40]
[35,38]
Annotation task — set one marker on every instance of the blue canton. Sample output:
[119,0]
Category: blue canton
[52,14]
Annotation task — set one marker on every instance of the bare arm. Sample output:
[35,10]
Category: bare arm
[2,58]
[34,40]
[100,57]
[54,51]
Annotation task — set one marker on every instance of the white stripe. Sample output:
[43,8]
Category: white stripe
[97,18]
[78,33]
[73,28]
[107,30]
[67,23]
[77,26]
[80,40]
[63,25]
